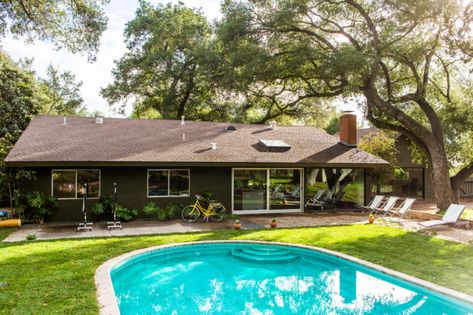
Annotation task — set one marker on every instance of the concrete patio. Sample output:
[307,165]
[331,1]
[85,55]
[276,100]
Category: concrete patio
[49,232]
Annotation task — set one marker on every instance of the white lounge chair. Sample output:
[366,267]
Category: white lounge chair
[452,215]
[406,206]
[373,204]
[388,206]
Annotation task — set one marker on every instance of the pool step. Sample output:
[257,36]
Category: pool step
[264,252]
[263,256]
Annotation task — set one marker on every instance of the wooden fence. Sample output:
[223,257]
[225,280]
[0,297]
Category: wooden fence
[466,191]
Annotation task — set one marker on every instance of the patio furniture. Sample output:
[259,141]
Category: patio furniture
[388,206]
[452,215]
[401,211]
[373,204]
[317,195]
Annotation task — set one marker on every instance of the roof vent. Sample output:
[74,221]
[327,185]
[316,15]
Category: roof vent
[99,120]
[64,121]
[183,122]
[231,128]
[273,124]
[213,145]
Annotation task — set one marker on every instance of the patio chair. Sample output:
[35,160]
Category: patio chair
[316,198]
[452,215]
[373,204]
[388,206]
[401,211]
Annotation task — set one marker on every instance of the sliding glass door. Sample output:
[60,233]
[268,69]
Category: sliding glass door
[267,190]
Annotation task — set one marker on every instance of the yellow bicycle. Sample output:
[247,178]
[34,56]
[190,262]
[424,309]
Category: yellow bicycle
[215,211]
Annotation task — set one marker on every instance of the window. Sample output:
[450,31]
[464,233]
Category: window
[168,183]
[403,182]
[69,184]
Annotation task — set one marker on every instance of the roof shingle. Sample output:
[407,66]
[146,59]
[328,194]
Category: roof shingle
[150,141]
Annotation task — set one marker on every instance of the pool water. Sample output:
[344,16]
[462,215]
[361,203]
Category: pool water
[248,278]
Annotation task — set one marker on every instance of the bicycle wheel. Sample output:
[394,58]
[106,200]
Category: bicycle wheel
[219,212]
[189,214]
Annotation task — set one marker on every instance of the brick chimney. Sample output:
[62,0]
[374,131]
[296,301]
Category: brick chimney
[348,128]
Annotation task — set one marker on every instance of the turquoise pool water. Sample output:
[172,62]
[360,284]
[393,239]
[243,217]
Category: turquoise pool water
[239,278]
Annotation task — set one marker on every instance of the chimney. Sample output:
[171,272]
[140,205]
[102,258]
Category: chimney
[348,128]
[99,120]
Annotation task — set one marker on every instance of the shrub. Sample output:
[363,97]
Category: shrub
[126,214]
[151,208]
[104,206]
[171,211]
[40,207]
[30,237]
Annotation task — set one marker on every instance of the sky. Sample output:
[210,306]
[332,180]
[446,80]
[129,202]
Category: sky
[98,74]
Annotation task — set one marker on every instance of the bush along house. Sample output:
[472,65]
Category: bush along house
[249,168]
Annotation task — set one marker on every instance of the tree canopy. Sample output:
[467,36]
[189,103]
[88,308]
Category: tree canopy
[75,25]
[404,58]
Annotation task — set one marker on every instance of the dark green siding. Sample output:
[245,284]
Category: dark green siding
[132,186]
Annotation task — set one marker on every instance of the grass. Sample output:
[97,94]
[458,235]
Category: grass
[57,277]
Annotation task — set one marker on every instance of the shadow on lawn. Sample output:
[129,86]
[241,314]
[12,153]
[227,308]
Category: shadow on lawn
[58,276]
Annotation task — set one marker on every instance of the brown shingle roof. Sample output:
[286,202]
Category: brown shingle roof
[47,140]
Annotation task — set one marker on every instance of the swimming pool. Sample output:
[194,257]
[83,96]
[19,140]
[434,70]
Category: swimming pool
[255,278]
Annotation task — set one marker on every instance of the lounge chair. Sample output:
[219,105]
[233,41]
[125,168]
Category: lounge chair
[373,204]
[401,211]
[316,198]
[388,206]
[452,215]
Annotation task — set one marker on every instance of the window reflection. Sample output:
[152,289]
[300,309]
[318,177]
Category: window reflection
[285,188]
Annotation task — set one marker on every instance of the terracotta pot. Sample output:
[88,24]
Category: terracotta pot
[237,226]
[274,224]
[371,219]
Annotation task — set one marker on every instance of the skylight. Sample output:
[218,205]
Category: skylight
[275,144]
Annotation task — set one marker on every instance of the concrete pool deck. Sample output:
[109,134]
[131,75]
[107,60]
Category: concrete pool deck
[68,231]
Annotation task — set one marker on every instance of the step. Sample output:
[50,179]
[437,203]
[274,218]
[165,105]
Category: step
[264,252]
[279,259]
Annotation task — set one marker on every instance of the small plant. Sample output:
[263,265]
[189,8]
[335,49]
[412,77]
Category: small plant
[171,211]
[31,237]
[126,214]
[104,206]
[274,223]
[371,218]
[151,208]
[237,224]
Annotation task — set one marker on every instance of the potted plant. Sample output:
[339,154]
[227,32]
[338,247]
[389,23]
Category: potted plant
[371,218]
[274,223]
[237,225]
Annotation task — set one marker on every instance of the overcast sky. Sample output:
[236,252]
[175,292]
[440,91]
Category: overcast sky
[98,74]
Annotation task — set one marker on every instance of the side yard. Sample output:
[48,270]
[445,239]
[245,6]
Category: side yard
[57,277]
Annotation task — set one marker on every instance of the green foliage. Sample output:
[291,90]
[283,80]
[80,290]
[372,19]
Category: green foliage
[40,207]
[104,206]
[170,211]
[75,25]
[61,93]
[382,144]
[126,214]
[31,237]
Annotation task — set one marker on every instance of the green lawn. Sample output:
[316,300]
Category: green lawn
[57,277]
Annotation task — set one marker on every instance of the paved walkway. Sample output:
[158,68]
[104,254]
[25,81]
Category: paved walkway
[48,232]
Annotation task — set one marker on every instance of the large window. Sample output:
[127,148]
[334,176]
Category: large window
[402,182]
[169,183]
[69,184]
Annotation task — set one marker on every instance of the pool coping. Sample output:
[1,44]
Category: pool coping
[108,303]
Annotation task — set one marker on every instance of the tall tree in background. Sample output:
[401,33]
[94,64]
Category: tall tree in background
[161,68]
[61,93]
[405,59]
[19,101]
[75,25]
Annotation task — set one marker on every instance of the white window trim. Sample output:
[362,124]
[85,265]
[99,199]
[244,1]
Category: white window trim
[268,210]
[75,170]
[168,170]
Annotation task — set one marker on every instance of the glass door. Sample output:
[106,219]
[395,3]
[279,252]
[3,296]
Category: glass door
[249,189]
[267,190]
